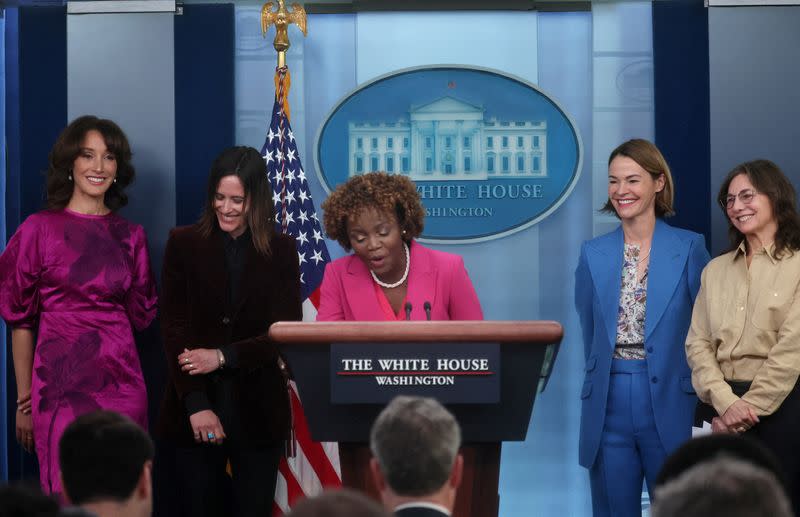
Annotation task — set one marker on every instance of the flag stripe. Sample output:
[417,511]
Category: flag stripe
[280,505]
[294,490]
[309,310]
[314,297]
[304,473]
[314,450]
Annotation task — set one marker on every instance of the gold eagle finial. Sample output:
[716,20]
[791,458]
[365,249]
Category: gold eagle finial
[281,19]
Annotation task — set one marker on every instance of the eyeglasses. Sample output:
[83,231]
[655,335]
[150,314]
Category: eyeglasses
[745,196]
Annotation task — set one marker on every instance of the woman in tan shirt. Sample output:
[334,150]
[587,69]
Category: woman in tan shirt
[744,342]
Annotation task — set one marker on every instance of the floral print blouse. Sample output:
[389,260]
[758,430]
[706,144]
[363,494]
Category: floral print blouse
[632,305]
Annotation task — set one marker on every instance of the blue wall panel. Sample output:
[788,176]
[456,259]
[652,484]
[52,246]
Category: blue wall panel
[204,100]
[681,75]
[755,95]
[541,476]
[129,78]
[39,97]
[3,376]
[36,103]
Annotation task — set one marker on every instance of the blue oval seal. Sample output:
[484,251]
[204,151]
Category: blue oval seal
[491,154]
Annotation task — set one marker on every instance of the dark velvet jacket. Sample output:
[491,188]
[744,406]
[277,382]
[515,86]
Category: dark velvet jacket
[195,313]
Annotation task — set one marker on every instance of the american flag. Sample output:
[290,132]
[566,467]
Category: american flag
[314,465]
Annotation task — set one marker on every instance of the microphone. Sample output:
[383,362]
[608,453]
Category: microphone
[427,306]
[408,311]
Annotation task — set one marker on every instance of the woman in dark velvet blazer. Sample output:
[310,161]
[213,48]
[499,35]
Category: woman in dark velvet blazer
[226,279]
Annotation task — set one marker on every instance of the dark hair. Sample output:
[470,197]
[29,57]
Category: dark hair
[415,441]
[339,503]
[68,147]
[649,158]
[389,193]
[768,179]
[101,455]
[705,448]
[246,164]
[26,500]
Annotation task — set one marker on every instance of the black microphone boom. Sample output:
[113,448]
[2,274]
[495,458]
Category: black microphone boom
[427,306]
[408,311]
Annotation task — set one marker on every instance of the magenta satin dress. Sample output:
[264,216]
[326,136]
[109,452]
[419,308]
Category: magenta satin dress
[81,282]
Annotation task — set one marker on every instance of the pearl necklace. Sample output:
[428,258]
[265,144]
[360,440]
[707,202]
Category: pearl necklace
[399,282]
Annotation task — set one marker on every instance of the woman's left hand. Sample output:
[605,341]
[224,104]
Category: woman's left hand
[718,427]
[740,416]
[199,361]
[24,404]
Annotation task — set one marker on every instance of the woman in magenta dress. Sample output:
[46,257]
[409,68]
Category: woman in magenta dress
[75,279]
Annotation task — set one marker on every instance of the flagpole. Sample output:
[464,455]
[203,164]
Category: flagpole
[309,466]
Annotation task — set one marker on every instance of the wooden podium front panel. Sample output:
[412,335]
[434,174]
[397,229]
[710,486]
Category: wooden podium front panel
[528,349]
[477,495]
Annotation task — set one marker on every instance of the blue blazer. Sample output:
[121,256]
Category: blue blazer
[677,259]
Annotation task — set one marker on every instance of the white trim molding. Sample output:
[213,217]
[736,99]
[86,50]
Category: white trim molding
[748,3]
[121,6]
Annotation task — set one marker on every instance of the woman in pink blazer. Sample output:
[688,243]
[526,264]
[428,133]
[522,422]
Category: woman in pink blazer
[389,276]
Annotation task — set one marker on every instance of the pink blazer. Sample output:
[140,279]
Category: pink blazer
[348,291]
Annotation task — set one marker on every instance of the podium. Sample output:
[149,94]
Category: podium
[521,355]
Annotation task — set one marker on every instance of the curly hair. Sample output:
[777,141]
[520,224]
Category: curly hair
[768,179]
[66,150]
[389,193]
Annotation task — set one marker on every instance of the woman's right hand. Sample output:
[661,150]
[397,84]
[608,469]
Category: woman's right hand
[740,416]
[25,430]
[206,427]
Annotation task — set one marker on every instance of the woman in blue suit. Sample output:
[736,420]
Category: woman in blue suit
[634,291]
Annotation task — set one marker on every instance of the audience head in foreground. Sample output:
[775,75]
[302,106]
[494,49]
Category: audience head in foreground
[106,461]
[24,500]
[338,503]
[722,487]
[415,442]
[706,448]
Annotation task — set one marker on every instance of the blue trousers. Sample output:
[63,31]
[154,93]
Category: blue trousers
[630,448]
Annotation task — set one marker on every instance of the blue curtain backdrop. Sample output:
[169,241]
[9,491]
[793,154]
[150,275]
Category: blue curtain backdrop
[35,112]
[3,412]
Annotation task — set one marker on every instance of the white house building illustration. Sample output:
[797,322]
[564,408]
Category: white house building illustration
[449,139]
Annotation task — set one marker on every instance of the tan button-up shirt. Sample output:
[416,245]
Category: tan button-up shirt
[746,327]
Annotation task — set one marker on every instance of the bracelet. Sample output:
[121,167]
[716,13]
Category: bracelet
[220,358]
